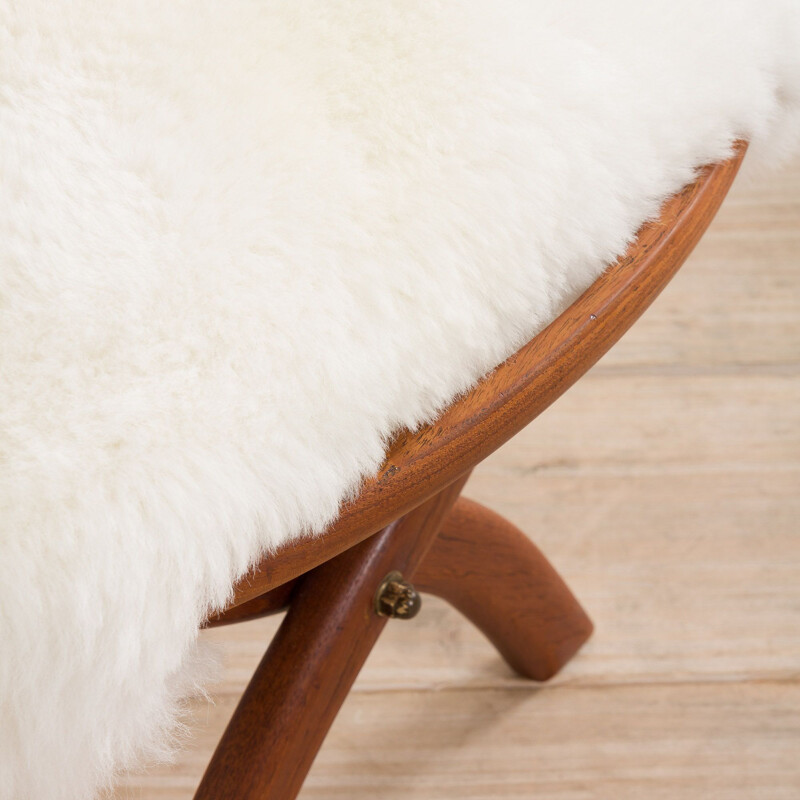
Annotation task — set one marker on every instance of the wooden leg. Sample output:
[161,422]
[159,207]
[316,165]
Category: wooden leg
[494,575]
[319,649]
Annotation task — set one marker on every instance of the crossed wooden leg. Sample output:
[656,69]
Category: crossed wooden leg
[498,579]
[451,547]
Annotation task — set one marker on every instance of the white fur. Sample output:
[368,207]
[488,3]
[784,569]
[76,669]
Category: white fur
[242,242]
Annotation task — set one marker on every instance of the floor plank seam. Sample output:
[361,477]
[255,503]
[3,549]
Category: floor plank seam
[526,686]
[732,369]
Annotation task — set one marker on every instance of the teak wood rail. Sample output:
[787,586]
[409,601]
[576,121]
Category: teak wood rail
[409,523]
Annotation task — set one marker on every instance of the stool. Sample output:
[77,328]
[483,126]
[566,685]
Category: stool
[409,530]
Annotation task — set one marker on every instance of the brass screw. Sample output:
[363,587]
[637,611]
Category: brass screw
[397,598]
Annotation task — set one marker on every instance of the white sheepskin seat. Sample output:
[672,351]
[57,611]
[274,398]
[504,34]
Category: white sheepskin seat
[243,242]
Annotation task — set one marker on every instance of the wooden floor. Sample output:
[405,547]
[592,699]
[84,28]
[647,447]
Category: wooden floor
[666,488]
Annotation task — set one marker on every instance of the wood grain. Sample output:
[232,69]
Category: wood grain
[665,741]
[500,581]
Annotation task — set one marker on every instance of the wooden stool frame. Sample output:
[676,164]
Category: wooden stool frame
[410,519]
